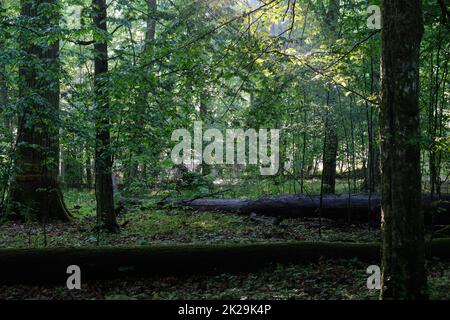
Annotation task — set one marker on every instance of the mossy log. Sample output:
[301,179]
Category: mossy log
[44,265]
[356,207]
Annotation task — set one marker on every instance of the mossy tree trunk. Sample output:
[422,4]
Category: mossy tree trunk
[34,189]
[103,153]
[50,264]
[403,275]
[335,207]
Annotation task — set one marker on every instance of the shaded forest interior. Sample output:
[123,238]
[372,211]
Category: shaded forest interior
[229,136]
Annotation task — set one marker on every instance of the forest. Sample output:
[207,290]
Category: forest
[225,149]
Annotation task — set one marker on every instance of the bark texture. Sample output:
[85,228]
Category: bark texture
[329,157]
[336,207]
[34,191]
[50,264]
[403,275]
[103,155]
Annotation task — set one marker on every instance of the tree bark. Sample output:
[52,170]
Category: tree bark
[103,154]
[34,191]
[300,206]
[329,157]
[4,87]
[403,261]
[330,27]
[203,99]
[88,167]
[50,264]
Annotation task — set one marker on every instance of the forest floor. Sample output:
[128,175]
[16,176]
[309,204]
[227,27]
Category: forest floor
[145,225]
[325,279]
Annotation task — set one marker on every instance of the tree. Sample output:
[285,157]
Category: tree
[34,189]
[403,275]
[103,154]
[141,104]
[330,149]
[330,24]
[3,81]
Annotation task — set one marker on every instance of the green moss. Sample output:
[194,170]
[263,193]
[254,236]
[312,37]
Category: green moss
[146,224]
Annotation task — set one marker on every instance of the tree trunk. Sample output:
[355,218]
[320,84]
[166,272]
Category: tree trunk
[103,154]
[329,157]
[300,206]
[203,97]
[34,190]
[88,166]
[330,27]
[50,264]
[4,87]
[403,262]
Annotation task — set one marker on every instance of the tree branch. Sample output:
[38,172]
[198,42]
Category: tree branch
[356,45]
[445,12]
[320,72]
[89,42]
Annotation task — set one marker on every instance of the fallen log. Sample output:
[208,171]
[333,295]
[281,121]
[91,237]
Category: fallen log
[355,207]
[44,265]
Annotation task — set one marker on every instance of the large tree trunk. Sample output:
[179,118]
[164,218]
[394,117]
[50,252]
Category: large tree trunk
[299,206]
[34,190]
[103,154]
[50,264]
[403,261]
